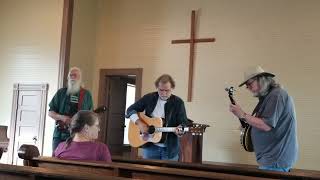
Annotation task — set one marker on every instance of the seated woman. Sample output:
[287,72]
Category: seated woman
[84,130]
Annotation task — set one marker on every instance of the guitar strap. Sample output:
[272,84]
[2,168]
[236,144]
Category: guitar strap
[248,146]
[261,99]
[72,108]
[256,109]
[81,95]
[165,134]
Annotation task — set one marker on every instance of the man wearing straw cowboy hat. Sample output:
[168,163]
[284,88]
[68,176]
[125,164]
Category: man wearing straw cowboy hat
[274,134]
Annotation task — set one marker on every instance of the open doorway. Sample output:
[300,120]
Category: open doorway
[130,99]
[119,88]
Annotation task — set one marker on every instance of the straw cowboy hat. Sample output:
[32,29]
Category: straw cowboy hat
[254,72]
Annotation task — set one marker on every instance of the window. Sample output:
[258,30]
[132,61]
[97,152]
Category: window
[131,92]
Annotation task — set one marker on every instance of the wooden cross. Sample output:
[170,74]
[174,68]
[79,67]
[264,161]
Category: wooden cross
[192,42]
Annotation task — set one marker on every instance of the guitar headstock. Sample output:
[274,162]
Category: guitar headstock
[230,91]
[100,109]
[197,129]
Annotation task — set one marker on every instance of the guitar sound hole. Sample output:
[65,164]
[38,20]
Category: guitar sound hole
[151,129]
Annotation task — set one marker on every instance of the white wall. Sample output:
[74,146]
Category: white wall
[83,39]
[29,51]
[282,36]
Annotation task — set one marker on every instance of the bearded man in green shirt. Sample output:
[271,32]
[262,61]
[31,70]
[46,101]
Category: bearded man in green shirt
[67,102]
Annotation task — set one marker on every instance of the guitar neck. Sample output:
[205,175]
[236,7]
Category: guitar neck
[232,100]
[169,129]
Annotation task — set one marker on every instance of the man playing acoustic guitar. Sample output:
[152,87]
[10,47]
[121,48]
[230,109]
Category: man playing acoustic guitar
[274,132]
[162,104]
[67,102]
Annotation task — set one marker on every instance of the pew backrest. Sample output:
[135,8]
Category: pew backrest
[135,170]
[128,168]
[14,172]
[232,168]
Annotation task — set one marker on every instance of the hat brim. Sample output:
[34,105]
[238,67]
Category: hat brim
[260,74]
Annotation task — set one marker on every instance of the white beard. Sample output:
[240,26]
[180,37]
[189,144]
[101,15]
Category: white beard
[264,88]
[73,87]
[164,98]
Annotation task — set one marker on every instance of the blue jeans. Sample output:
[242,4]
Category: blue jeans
[157,152]
[275,168]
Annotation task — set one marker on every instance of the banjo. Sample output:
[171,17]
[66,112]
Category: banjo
[245,130]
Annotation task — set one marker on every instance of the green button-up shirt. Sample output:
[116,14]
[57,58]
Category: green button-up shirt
[60,104]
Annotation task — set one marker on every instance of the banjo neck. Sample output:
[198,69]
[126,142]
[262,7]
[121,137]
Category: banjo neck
[230,93]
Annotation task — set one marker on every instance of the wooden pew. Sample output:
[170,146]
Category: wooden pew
[128,170]
[4,141]
[166,169]
[230,168]
[146,169]
[13,172]
[136,170]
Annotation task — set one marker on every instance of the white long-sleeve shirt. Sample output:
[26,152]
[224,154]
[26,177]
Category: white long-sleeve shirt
[157,112]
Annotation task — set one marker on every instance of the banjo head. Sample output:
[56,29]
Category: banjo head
[245,138]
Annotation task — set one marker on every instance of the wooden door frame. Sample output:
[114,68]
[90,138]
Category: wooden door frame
[64,60]
[102,95]
[43,111]
[65,43]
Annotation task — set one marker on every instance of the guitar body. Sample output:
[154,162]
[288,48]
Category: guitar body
[156,130]
[136,138]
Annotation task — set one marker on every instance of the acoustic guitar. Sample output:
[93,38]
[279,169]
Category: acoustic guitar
[245,130]
[156,130]
[65,127]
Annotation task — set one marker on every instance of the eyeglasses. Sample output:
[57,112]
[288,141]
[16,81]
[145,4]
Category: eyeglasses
[164,90]
[249,83]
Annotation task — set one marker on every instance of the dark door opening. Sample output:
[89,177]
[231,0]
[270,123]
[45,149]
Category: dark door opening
[116,129]
[118,90]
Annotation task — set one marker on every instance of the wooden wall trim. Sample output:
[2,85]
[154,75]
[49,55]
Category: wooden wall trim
[65,43]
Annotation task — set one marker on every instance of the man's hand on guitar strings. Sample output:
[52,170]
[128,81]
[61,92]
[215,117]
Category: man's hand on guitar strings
[143,129]
[236,110]
[142,126]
